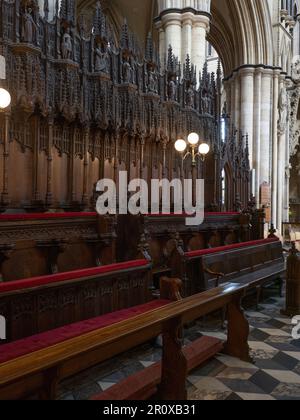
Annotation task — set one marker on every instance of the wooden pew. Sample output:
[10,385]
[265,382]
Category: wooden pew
[292,283]
[32,306]
[42,370]
[255,264]
[158,236]
[39,244]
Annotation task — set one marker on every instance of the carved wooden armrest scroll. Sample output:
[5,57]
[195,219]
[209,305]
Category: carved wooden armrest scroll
[170,289]
[214,273]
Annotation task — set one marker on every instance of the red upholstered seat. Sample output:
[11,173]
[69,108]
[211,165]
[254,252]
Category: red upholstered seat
[189,215]
[194,254]
[71,275]
[47,216]
[41,341]
[42,216]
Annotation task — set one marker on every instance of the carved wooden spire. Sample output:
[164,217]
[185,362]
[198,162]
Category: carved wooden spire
[125,37]
[68,12]
[100,27]
[149,48]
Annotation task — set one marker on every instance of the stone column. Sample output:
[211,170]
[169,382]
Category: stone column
[257,133]
[286,213]
[237,101]
[247,100]
[184,26]
[231,108]
[172,26]
[275,146]
[201,26]
[162,43]
[282,132]
[281,179]
[265,132]
[187,28]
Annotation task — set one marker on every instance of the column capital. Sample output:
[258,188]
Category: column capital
[267,72]
[171,19]
[188,18]
[247,71]
[202,21]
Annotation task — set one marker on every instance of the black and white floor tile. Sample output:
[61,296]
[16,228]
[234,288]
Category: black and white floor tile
[273,375]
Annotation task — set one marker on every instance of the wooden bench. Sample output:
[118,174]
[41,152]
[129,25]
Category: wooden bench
[158,235]
[40,371]
[255,264]
[292,307]
[40,244]
[145,384]
[32,306]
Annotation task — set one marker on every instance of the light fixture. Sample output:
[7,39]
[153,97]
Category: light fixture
[5,98]
[204,149]
[180,146]
[193,139]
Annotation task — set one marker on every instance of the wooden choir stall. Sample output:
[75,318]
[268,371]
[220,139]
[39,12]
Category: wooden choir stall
[78,288]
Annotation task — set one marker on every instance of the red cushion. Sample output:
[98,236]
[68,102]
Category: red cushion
[41,341]
[43,216]
[47,216]
[194,254]
[191,215]
[70,275]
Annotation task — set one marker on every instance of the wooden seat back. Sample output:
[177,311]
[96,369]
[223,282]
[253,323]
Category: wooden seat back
[159,235]
[43,370]
[41,244]
[204,270]
[80,296]
[238,262]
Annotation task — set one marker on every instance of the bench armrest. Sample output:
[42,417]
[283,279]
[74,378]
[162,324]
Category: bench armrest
[170,289]
[213,273]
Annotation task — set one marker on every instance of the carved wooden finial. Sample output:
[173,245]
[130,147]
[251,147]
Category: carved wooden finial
[272,232]
[293,250]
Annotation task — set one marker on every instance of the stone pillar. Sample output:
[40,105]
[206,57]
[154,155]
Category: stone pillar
[281,179]
[172,25]
[275,146]
[162,44]
[286,212]
[265,132]
[257,133]
[200,28]
[282,132]
[231,108]
[247,100]
[237,101]
[184,26]
[187,29]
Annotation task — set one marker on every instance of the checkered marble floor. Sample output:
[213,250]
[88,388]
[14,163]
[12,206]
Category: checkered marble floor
[274,374]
